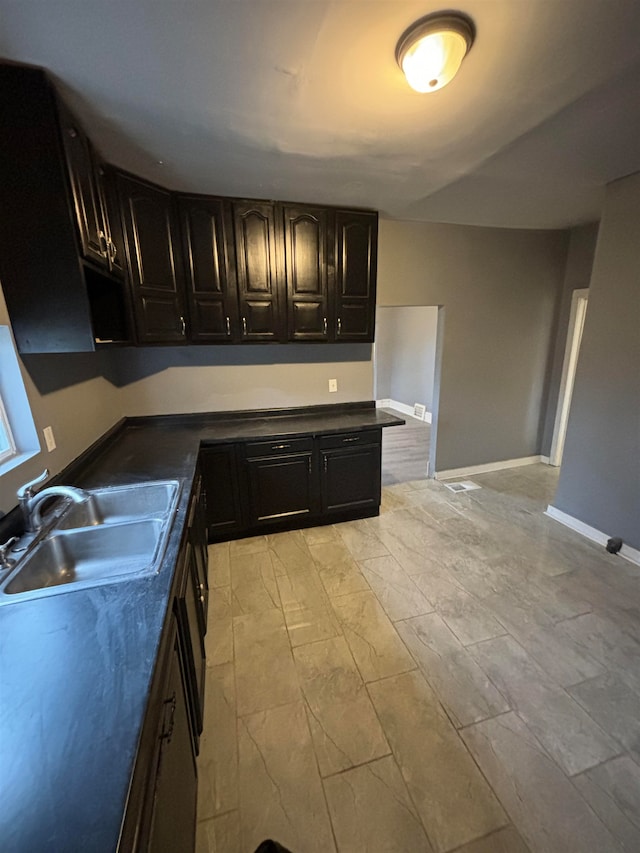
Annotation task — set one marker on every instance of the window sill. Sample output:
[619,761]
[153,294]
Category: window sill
[17,460]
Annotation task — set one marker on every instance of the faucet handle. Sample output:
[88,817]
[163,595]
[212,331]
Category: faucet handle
[26,491]
[5,560]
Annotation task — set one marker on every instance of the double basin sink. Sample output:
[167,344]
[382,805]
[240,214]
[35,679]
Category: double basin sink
[115,533]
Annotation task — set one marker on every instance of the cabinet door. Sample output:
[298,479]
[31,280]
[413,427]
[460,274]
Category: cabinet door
[257,271]
[198,539]
[280,487]
[173,797]
[351,478]
[84,188]
[223,512]
[356,266]
[188,607]
[154,253]
[113,221]
[305,236]
[211,291]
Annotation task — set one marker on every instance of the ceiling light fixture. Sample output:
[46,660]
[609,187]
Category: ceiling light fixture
[431,51]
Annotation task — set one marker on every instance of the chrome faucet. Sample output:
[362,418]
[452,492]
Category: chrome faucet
[25,495]
[31,504]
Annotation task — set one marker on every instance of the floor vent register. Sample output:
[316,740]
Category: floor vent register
[462,486]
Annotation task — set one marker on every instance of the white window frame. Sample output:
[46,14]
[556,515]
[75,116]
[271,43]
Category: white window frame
[11,451]
[15,410]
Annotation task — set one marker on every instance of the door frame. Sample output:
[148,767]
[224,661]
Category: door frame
[579,302]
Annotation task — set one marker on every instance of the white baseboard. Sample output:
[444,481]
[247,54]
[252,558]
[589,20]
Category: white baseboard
[592,533]
[403,408]
[545,460]
[489,466]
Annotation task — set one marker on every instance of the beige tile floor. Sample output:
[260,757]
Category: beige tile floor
[459,674]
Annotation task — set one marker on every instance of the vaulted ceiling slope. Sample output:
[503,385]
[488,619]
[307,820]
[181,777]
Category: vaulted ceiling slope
[303,100]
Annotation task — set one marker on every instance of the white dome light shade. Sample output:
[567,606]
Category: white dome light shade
[431,51]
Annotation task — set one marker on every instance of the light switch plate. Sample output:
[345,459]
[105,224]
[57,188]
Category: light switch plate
[333,385]
[48,437]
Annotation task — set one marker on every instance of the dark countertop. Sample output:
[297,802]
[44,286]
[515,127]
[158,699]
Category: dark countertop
[76,666]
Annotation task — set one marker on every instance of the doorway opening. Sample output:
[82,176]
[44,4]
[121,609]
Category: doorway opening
[579,302]
[406,382]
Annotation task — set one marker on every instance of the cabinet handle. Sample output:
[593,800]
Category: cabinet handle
[355,438]
[111,248]
[339,326]
[168,734]
[324,326]
[244,326]
[309,464]
[183,325]
[280,446]
[325,464]
[228,327]
[104,245]
[202,599]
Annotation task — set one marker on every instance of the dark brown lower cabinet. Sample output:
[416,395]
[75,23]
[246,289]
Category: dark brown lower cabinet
[188,609]
[350,472]
[280,480]
[161,811]
[169,813]
[223,509]
[197,526]
[284,483]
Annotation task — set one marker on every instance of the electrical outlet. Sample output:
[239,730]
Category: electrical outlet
[333,385]
[48,437]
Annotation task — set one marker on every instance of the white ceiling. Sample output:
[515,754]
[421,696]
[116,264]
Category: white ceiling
[302,100]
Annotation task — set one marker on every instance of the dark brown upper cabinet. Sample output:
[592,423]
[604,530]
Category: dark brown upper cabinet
[356,234]
[87,199]
[113,222]
[56,280]
[258,272]
[154,256]
[306,268]
[211,287]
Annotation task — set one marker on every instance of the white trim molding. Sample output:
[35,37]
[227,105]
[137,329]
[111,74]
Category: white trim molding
[403,408]
[489,466]
[592,533]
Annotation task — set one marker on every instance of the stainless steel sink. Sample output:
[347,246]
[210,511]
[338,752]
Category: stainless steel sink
[90,555]
[119,504]
[120,531]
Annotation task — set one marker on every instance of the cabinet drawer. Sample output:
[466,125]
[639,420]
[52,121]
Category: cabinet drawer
[351,439]
[278,447]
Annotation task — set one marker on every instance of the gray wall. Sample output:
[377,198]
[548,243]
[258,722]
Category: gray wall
[405,353]
[205,379]
[69,394]
[582,248]
[600,474]
[499,290]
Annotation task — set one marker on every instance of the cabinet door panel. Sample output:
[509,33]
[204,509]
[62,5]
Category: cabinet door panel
[113,221]
[280,486]
[257,271]
[210,289]
[356,267]
[188,606]
[174,794]
[351,478]
[222,494]
[258,319]
[305,234]
[154,253]
[84,188]
[152,240]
